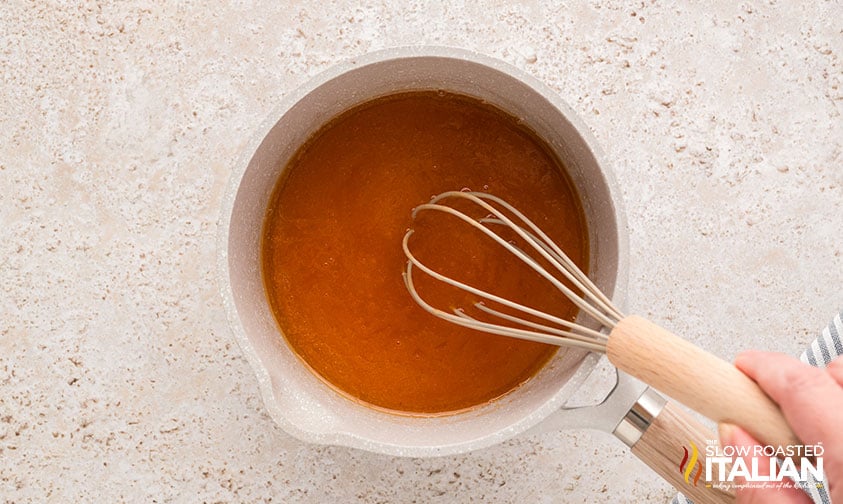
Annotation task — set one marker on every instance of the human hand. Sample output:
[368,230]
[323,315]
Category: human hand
[811,400]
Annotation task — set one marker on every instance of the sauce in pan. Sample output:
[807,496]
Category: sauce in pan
[332,258]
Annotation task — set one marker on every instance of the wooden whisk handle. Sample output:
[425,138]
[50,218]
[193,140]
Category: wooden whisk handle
[697,379]
[660,447]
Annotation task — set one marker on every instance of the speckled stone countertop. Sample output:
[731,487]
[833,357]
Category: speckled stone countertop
[120,124]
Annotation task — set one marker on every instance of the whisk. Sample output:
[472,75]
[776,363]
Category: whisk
[690,375]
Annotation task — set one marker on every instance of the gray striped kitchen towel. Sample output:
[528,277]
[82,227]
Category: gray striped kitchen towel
[828,346]
[822,351]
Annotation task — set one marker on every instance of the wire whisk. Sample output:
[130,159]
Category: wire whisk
[633,344]
[501,215]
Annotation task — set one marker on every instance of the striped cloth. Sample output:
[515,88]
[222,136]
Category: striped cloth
[822,351]
[828,346]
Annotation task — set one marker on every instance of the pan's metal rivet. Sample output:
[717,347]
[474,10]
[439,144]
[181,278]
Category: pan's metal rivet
[639,417]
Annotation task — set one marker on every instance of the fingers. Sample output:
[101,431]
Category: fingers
[809,397]
[757,493]
[835,369]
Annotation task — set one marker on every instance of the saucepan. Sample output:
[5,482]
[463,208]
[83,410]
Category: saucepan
[304,406]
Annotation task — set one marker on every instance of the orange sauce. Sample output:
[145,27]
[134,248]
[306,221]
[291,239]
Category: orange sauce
[332,258]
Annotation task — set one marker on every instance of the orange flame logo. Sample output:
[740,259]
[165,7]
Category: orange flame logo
[689,461]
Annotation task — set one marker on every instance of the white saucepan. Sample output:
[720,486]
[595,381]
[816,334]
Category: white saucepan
[308,408]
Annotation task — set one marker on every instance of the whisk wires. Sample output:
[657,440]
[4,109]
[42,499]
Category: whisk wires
[554,330]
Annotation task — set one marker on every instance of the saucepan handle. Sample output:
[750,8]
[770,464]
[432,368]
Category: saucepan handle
[697,379]
[674,445]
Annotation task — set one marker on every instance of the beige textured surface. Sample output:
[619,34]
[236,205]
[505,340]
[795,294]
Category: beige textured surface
[119,124]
